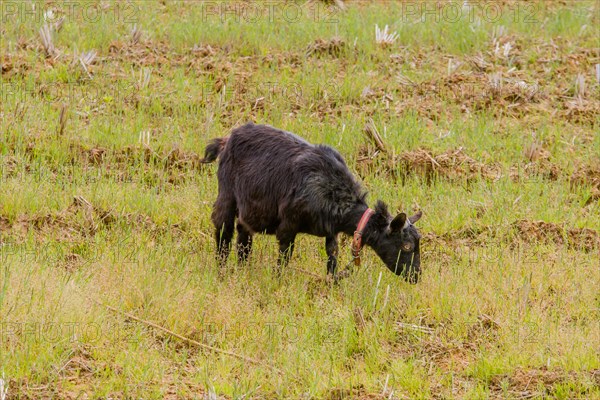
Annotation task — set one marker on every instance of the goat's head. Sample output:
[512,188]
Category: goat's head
[396,242]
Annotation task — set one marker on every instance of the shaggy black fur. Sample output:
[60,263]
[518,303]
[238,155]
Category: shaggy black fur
[275,182]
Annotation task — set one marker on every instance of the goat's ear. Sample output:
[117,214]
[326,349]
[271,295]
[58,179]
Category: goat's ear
[381,209]
[415,217]
[398,222]
[381,218]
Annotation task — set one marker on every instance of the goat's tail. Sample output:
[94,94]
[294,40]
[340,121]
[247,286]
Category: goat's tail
[214,149]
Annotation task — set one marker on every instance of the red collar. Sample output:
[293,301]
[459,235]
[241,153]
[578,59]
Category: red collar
[357,239]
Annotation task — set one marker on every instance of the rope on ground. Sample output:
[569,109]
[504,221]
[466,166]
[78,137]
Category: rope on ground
[183,338]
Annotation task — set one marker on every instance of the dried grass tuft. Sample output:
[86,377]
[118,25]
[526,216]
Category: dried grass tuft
[333,47]
[136,34]
[48,41]
[62,120]
[383,37]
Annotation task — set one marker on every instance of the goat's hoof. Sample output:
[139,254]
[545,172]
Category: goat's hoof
[341,275]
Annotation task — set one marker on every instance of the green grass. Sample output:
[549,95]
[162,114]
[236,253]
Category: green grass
[499,313]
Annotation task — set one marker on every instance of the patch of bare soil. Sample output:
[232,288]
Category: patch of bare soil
[482,90]
[453,165]
[174,158]
[23,390]
[588,175]
[538,165]
[280,60]
[542,168]
[80,220]
[534,383]
[546,232]
[161,169]
[582,239]
[333,47]
[80,364]
[8,166]
[437,346]
[66,226]
[357,392]
[15,64]
[77,380]
[4,223]
[504,82]
[448,356]
[144,52]
[583,112]
[74,377]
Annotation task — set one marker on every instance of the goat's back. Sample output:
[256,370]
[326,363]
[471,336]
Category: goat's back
[274,174]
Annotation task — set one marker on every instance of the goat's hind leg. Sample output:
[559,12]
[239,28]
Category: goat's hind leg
[223,217]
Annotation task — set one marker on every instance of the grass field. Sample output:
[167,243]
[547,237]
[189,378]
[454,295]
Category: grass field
[489,114]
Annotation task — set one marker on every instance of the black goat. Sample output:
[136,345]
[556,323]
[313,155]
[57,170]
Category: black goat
[275,182]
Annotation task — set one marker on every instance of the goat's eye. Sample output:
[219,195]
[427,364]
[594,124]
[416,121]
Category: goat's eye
[406,247]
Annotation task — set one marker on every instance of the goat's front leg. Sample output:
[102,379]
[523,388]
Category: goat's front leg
[244,243]
[331,247]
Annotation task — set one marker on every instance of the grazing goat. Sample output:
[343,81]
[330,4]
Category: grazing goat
[275,182]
